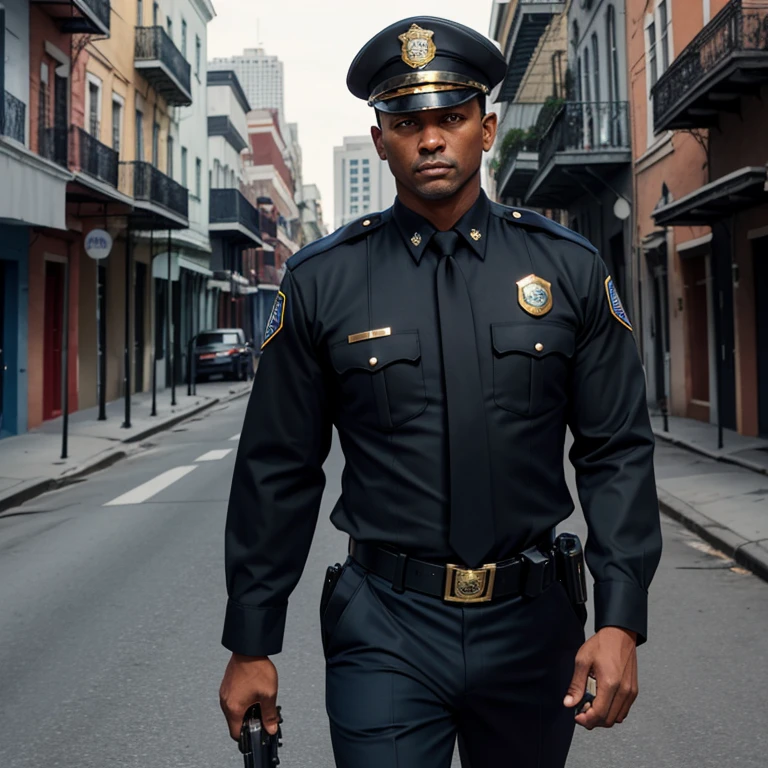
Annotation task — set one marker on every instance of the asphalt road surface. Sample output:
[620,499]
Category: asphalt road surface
[112,597]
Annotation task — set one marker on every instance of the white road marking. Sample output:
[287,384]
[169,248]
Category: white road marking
[214,455]
[149,489]
[235,437]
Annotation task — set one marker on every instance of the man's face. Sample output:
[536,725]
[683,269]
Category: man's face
[435,152]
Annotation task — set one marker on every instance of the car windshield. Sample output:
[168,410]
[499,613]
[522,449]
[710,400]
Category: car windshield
[204,339]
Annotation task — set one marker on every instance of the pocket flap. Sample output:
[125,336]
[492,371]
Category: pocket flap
[535,339]
[400,347]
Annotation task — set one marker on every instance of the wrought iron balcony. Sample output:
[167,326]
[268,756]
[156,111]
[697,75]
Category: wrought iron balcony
[89,17]
[161,202]
[530,21]
[52,144]
[163,65]
[585,138]
[726,60]
[94,158]
[233,217]
[14,117]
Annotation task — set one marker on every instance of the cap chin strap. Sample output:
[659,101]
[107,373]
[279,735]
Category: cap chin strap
[423,82]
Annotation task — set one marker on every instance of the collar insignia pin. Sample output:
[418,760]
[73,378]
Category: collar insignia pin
[475,235]
[418,47]
[416,239]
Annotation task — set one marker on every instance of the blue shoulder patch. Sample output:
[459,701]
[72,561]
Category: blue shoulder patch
[358,228]
[614,302]
[528,218]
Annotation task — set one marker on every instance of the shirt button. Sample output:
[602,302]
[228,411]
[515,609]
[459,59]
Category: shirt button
[367,223]
[517,215]
[373,362]
[539,347]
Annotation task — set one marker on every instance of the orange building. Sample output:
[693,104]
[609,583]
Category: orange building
[699,88]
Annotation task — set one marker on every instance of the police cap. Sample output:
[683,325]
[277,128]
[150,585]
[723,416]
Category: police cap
[425,63]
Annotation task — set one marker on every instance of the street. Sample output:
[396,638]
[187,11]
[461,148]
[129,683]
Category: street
[111,616]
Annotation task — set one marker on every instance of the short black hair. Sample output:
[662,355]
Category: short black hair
[480,99]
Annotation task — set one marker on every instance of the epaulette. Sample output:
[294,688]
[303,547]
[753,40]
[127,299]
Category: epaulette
[524,217]
[361,227]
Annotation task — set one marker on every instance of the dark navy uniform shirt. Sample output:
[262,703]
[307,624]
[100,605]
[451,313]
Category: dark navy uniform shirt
[576,366]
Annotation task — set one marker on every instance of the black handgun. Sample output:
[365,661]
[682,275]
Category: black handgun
[259,748]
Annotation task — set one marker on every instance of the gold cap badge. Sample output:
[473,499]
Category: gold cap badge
[418,46]
[534,295]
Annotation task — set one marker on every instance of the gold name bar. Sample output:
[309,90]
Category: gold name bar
[366,335]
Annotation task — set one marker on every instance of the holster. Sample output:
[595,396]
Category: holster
[570,567]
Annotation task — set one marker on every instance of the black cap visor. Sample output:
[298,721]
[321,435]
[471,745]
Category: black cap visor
[418,102]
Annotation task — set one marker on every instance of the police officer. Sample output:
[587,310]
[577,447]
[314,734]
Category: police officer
[451,341]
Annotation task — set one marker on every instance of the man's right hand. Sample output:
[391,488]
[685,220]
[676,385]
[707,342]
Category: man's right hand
[249,680]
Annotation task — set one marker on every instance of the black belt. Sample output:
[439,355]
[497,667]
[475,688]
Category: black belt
[529,574]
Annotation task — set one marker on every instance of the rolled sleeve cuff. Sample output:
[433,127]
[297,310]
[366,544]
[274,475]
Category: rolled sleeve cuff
[254,631]
[622,604]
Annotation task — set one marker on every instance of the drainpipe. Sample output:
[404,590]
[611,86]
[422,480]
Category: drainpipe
[127,351]
[65,358]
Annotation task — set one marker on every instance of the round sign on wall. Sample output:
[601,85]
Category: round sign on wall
[98,244]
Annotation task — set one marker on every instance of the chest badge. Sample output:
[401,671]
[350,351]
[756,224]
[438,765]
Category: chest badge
[534,294]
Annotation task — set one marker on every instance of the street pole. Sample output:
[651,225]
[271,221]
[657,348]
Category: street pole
[65,358]
[127,352]
[169,335]
[102,336]
[154,324]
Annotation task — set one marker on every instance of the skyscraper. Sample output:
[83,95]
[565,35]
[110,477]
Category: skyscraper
[260,75]
[362,182]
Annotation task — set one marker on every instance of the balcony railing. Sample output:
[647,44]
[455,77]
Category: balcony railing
[230,206]
[14,117]
[52,144]
[152,186]
[587,126]
[93,157]
[99,9]
[89,17]
[736,30]
[163,65]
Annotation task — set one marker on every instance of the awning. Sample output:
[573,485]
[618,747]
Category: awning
[193,266]
[724,197]
[222,285]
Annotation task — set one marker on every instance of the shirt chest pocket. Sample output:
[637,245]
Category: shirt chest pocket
[531,366]
[381,380]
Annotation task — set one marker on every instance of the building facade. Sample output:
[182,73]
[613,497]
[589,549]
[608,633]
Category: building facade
[260,75]
[703,205]
[362,182]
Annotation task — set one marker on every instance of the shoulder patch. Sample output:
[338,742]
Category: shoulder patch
[526,218]
[276,316]
[614,302]
[359,228]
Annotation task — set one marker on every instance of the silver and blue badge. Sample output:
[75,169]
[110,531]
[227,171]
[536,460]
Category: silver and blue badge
[614,302]
[275,324]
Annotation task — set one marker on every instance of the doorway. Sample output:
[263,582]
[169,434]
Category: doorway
[697,332]
[53,335]
[760,255]
[139,307]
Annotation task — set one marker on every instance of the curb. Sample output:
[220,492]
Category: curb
[109,457]
[744,463]
[744,552]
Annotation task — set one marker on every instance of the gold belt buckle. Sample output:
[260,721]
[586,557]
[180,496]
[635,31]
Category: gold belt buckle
[469,586]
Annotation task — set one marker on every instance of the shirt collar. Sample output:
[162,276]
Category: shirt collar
[417,231]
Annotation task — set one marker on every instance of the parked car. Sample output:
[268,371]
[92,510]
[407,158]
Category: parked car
[224,351]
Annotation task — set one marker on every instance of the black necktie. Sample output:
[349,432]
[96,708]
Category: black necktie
[472,531]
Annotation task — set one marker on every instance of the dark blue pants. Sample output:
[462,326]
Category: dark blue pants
[407,674]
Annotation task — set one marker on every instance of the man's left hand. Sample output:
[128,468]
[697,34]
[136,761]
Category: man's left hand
[610,655]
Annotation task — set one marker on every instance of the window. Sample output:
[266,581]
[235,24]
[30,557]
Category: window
[117,122]
[658,42]
[169,159]
[664,32]
[366,198]
[366,179]
[184,180]
[198,50]
[216,172]
[156,145]
[94,106]
[353,209]
[198,178]
[354,199]
[575,34]
[366,188]
[140,13]
[366,162]
[139,136]
[169,26]
[353,171]
[613,55]
[596,66]
[184,38]
[353,163]
[156,15]
[354,189]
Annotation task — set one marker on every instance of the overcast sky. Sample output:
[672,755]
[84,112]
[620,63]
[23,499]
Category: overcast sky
[317,40]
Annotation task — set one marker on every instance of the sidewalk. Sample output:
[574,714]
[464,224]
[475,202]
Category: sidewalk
[721,495]
[31,464]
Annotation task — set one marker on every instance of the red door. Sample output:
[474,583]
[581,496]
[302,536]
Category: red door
[53,338]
